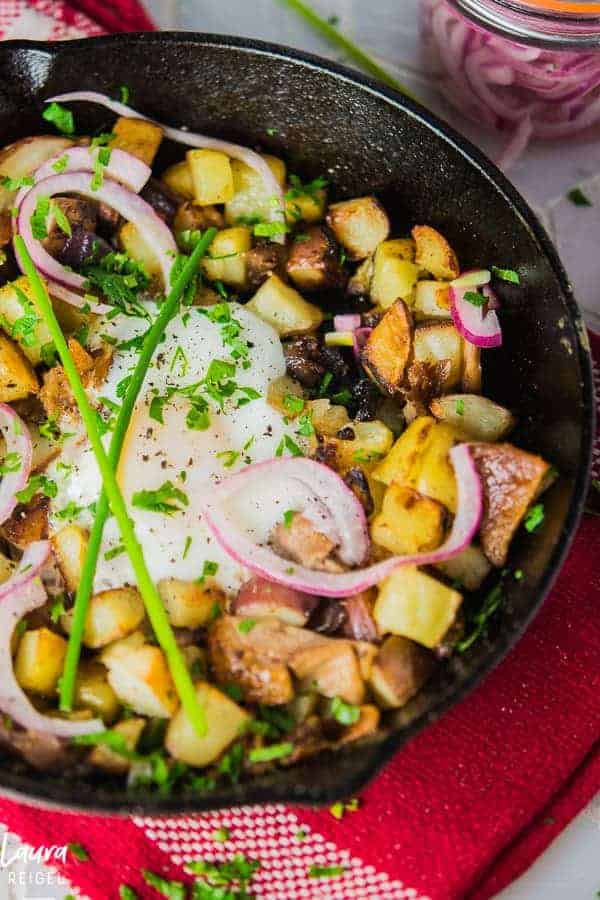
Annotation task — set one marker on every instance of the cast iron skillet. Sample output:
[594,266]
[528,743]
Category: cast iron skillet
[325,119]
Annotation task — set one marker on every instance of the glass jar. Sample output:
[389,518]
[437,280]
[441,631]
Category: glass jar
[530,68]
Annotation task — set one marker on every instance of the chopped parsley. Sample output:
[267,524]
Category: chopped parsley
[326,871]
[362,456]
[238,870]
[460,406]
[229,457]
[327,379]
[534,517]
[38,218]
[124,93]
[293,404]
[475,298]
[114,552]
[343,397]
[305,425]
[50,430]
[209,568]
[69,512]
[231,763]
[267,754]
[14,184]
[173,890]
[61,164]
[100,163]
[311,189]
[344,713]
[10,463]
[287,443]
[188,544]
[508,275]
[37,484]
[23,328]
[578,198]
[246,625]
[480,619]
[270,229]
[127,893]
[221,835]
[167,499]
[181,360]
[339,810]
[120,279]
[61,219]
[61,118]
[57,609]
[78,852]
[288,517]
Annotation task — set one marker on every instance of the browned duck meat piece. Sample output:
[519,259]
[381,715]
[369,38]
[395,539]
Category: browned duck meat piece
[301,542]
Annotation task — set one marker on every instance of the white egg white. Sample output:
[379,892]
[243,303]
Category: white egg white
[178,545]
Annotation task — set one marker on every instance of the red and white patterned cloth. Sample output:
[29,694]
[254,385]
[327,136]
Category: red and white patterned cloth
[460,812]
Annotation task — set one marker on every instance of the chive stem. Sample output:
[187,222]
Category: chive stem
[362,59]
[152,601]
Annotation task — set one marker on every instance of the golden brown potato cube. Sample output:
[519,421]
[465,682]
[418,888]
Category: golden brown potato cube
[212,178]
[474,416]
[436,477]
[17,378]
[92,691]
[284,308]
[400,670]
[39,661]
[332,669]
[511,479]
[388,348]
[7,567]
[24,157]
[359,284]
[189,605]
[395,273]
[16,301]
[359,225]
[226,258]
[179,178]
[138,137]
[469,568]
[140,677]
[372,442]
[133,242]
[111,761]
[434,253]
[403,462]
[252,198]
[327,418]
[225,721]
[408,522]
[432,300]
[471,374]
[438,341]
[416,606]
[70,546]
[286,395]
[112,615]
[305,207]
[314,264]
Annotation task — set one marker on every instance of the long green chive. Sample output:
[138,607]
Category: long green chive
[84,591]
[152,601]
[352,50]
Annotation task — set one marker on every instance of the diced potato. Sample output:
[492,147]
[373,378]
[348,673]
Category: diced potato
[326,417]
[225,721]
[138,137]
[408,522]
[44,449]
[394,273]
[416,606]
[70,546]
[403,462]
[469,568]
[251,197]
[476,417]
[332,669]
[112,615]
[359,284]
[16,301]
[388,348]
[360,225]
[225,260]
[92,691]
[314,264]
[179,178]
[434,253]
[438,341]
[17,378]
[471,374]
[140,677]
[135,244]
[400,670]
[284,308]
[7,567]
[372,441]
[279,389]
[24,157]
[436,477]
[432,300]
[212,178]
[189,605]
[111,761]
[39,661]
[303,207]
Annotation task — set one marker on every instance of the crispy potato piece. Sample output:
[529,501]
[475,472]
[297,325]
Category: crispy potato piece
[372,441]
[263,261]
[226,258]
[212,178]
[434,253]
[138,137]
[28,523]
[112,615]
[359,284]
[225,721]
[111,761]
[327,418]
[395,273]
[140,677]
[305,207]
[404,459]
[17,301]
[469,568]
[137,246]
[56,394]
[333,669]
[252,199]
[92,691]
[179,178]
[17,378]
[314,264]
[388,348]
[435,342]
[189,605]
[24,157]
[39,661]
[284,308]
[432,300]
[416,606]
[279,389]
[471,374]
[408,522]
[478,418]
[400,670]
[511,479]
[359,225]
[70,546]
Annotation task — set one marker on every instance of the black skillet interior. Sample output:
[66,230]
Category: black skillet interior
[364,138]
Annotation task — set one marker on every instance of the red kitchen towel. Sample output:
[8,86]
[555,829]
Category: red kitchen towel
[464,809]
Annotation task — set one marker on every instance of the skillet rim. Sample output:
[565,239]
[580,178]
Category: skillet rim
[60,796]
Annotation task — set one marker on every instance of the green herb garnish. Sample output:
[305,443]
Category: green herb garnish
[37,484]
[534,517]
[61,118]
[288,517]
[475,298]
[508,275]
[78,852]
[246,625]
[287,443]
[173,890]
[326,871]
[39,229]
[460,406]
[344,713]
[14,184]
[209,568]
[10,463]
[167,499]
[267,754]
[480,619]
[127,893]
[578,198]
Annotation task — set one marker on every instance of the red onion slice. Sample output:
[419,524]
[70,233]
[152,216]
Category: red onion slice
[121,167]
[360,338]
[472,278]
[191,139]
[20,595]
[124,201]
[265,562]
[349,322]
[77,300]
[18,444]
[482,330]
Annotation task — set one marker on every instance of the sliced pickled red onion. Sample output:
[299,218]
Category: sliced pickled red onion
[121,199]
[359,339]
[333,493]
[121,167]
[20,595]
[19,450]
[472,278]
[348,322]
[191,139]
[477,324]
